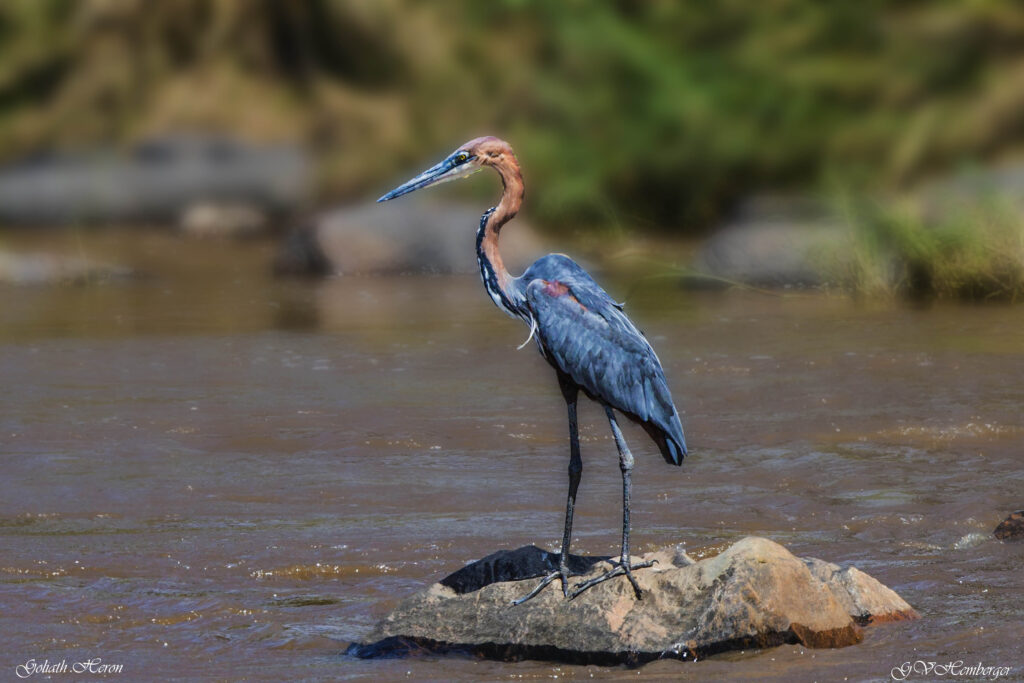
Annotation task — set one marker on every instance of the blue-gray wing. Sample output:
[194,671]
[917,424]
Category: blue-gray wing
[585,334]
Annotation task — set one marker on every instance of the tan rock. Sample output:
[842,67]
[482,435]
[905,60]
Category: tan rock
[754,594]
[863,597]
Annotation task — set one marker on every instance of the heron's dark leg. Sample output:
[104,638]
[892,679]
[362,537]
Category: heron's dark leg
[575,470]
[624,567]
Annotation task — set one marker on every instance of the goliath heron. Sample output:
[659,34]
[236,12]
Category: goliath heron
[580,330]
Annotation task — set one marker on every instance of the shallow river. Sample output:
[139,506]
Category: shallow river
[210,474]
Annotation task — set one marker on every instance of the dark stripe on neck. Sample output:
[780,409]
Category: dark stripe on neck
[487,272]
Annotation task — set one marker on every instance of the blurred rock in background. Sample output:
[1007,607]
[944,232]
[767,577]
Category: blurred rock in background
[417,235]
[772,241]
[164,180]
[42,268]
[223,219]
[661,116]
[657,118]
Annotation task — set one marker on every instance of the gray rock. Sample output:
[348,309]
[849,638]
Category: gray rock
[154,182]
[779,240]
[223,220]
[754,594]
[415,235]
[968,190]
[48,269]
[772,242]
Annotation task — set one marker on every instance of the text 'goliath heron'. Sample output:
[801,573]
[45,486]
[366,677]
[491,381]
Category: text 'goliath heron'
[580,330]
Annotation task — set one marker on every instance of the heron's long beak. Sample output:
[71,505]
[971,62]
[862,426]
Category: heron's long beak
[443,172]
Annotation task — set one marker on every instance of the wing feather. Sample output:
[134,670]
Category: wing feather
[584,333]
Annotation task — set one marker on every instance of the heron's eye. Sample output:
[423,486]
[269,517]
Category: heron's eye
[461,159]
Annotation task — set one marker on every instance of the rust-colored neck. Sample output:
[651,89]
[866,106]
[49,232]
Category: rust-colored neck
[496,277]
[508,207]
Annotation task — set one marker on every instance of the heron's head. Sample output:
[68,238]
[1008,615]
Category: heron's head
[464,161]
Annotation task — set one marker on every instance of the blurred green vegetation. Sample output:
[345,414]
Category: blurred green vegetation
[974,253]
[656,114]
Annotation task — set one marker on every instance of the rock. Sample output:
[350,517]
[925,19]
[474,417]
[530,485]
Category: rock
[153,182]
[48,269]
[969,189]
[863,597]
[779,240]
[1011,528]
[223,220]
[513,565]
[754,594]
[415,235]
[300,254]
[771,242]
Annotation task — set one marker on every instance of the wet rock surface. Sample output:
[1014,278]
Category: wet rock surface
[754,594]
[1011,528]
[513,565]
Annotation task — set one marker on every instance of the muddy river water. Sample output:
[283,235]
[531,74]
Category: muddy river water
[209,474]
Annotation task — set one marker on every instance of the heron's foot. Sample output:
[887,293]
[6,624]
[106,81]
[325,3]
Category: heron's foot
[560,573]
[622,567]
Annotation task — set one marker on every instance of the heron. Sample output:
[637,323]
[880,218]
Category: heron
[581,331]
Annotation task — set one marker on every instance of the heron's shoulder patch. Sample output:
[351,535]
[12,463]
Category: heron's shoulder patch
[555,288]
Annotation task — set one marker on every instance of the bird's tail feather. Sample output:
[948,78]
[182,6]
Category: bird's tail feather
[670,440]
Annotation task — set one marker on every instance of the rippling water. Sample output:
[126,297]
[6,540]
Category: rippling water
[207,473]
